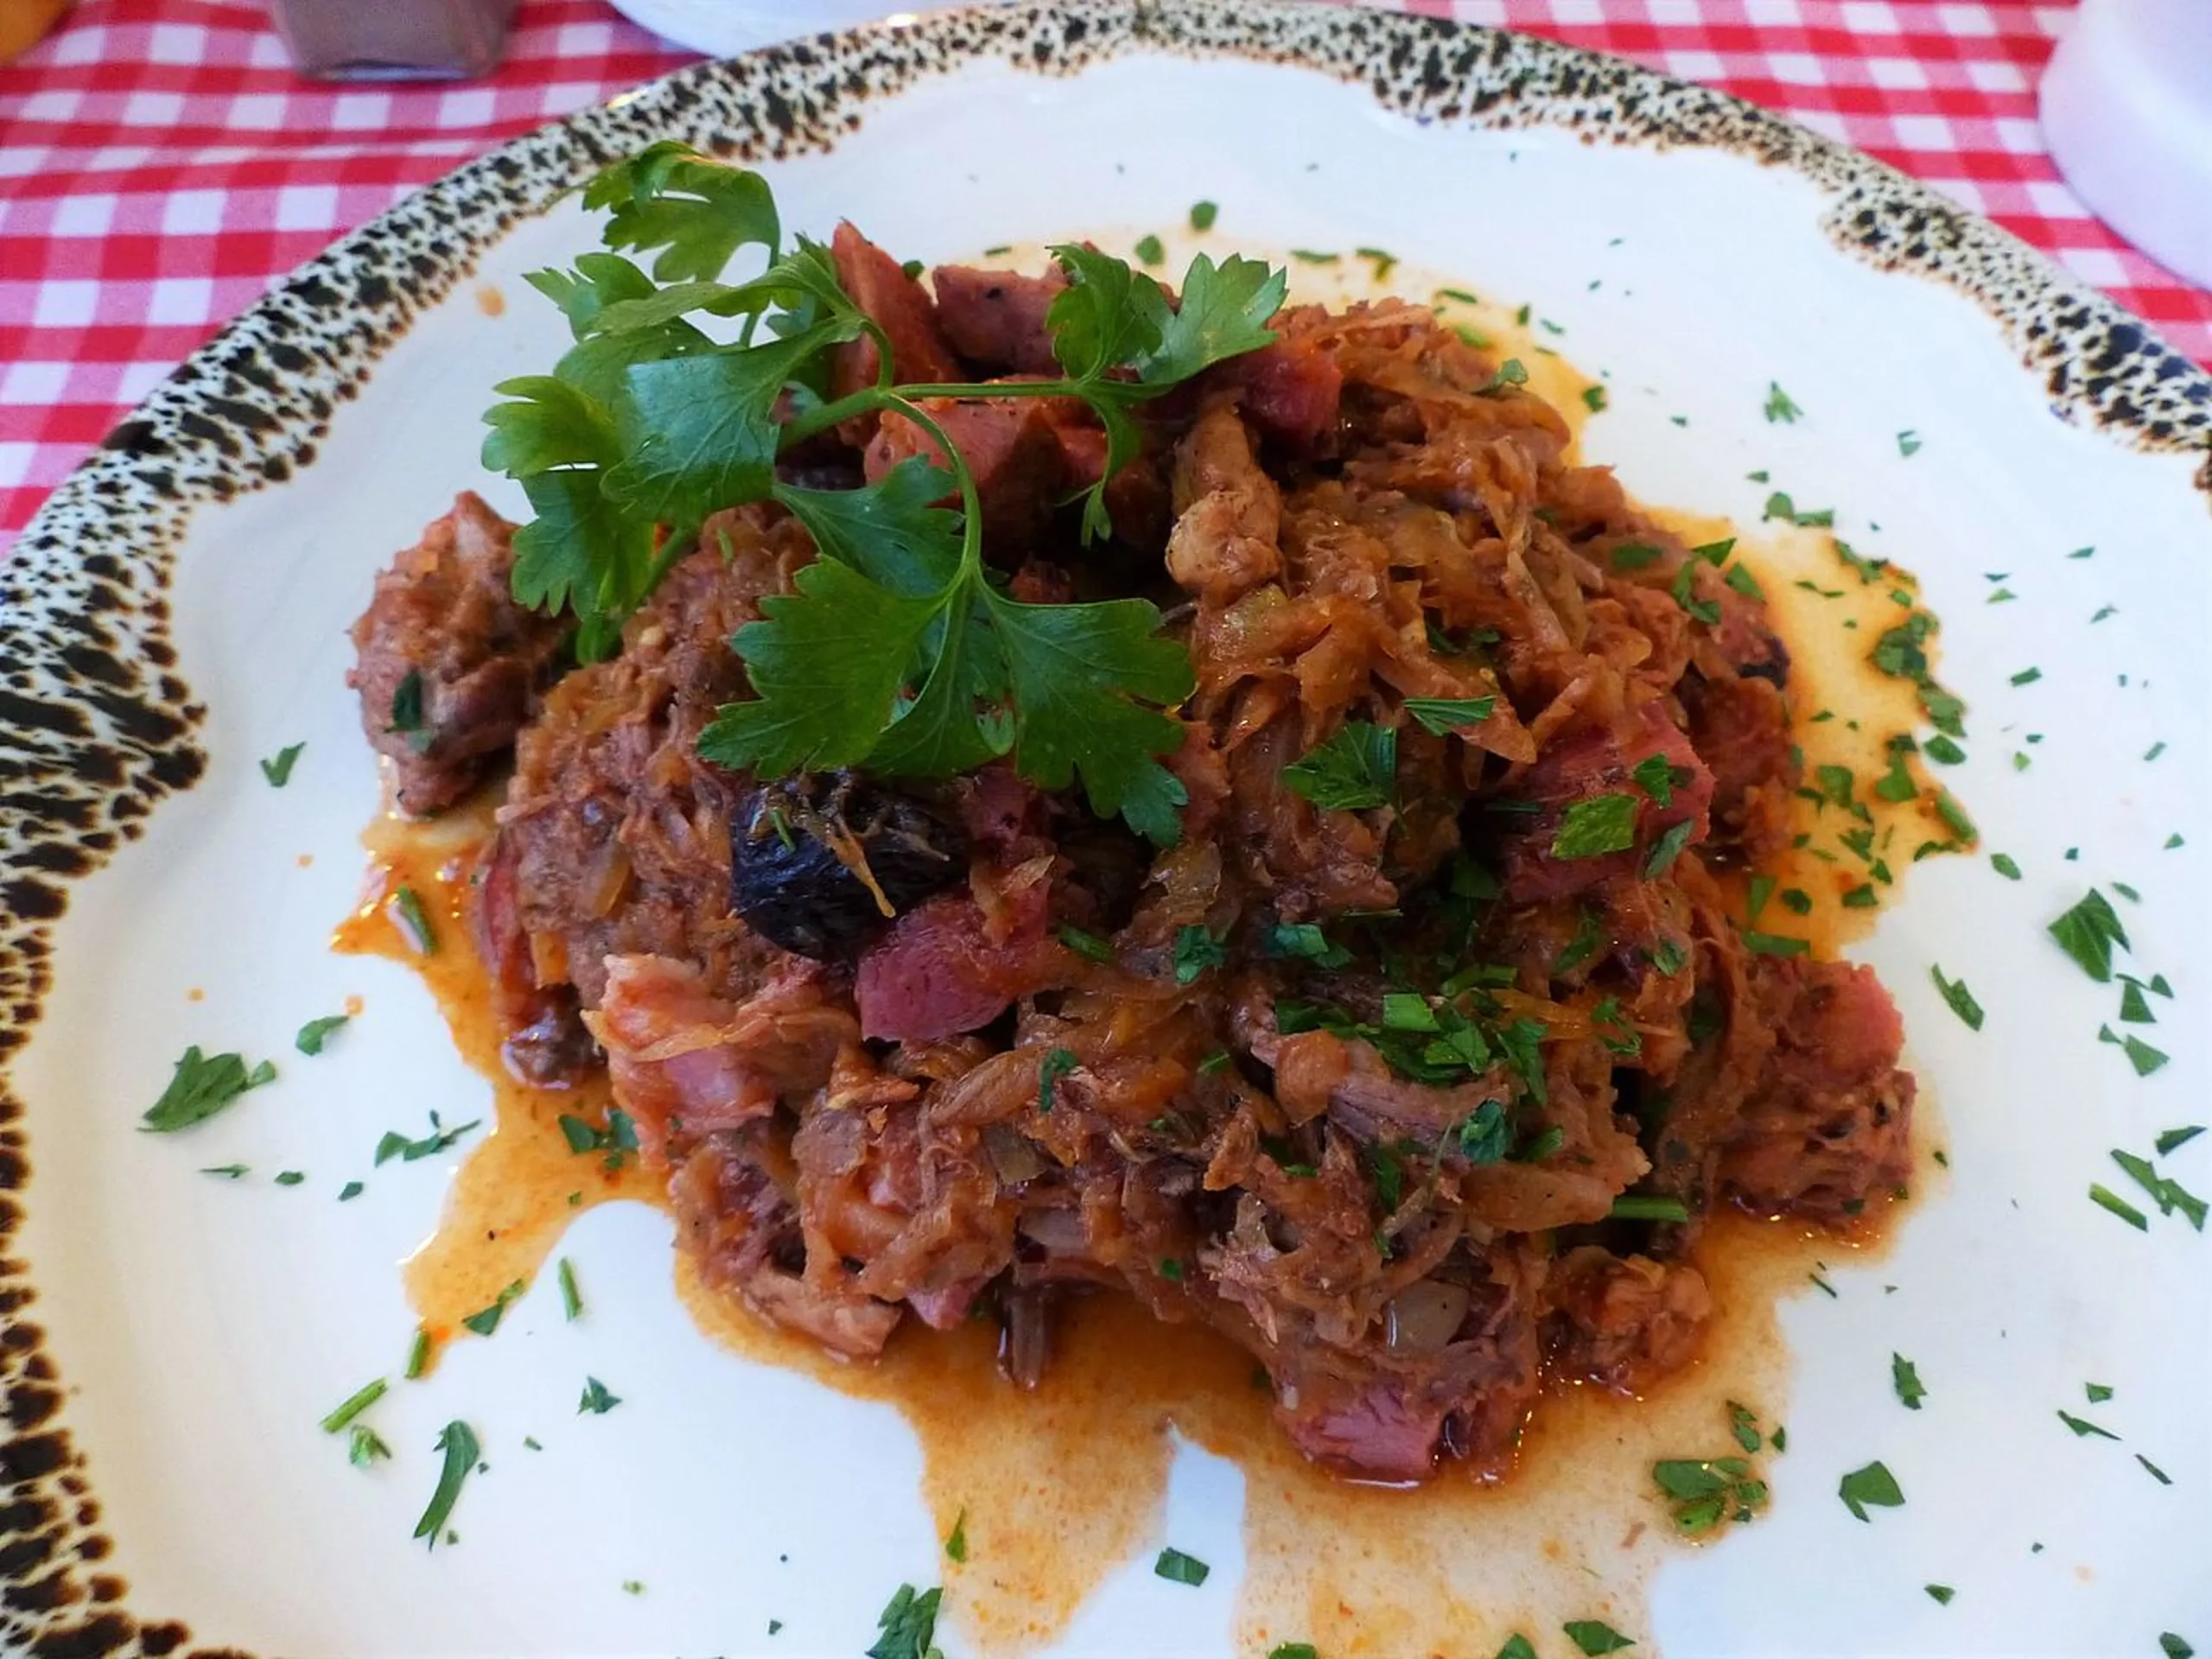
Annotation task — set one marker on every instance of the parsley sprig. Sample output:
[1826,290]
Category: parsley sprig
[898,652]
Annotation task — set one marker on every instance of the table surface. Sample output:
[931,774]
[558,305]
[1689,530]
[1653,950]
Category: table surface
[161,164]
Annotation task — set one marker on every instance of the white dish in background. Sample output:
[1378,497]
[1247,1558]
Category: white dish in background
[722,27]
[201,1328]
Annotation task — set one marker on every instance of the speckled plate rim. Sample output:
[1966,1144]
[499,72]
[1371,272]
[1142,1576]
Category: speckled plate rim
[97,726]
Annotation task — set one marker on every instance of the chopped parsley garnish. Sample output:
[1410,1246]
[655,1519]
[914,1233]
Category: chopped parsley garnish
[2006,866]
[1149,251]
[1775,944]
[1873,1485]
[572,1302]
[1655,775]
[418,1355]
[1703,1493]
[353,1405]
[1593,399]
[278,769]
[1197,950]
[289,1178]
[1779,405]
[1595,827]
[1293,1650]
[1202,214]
[955,1545]
[2027,677]
[1354,770]
[314,1034]
[2083,1428]
[595,1399]
[1633,556]
[2173,1140]
[1669,955]
[2173,1647]
[1056,1064]
[2144,1058]
[2107,1199]
[1638,1207]
[200,1086]
[1683,590]
[407,712]
[617,1138]
[1940,1593]
[1443,715]
[1961,999]
[2168,1194]
[396,1145]
[1384,262]
[2156,1473]
[1177,1568]
[1508,373]
[2097,1393]
[1671,843]
[1594,1637]
[1908,443]
[485,1321]
[458,1442]
[228,1172]
[1486,1134]
[363,1446]
[2088,933]
[1302,941]
[408,915]
[907,1624]
[2135,1007]
[1744,1425]
[1904,1378]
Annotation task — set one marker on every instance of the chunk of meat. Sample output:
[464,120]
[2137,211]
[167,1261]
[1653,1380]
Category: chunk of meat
[449,664]
[1624,1323]
[900,307]
[995,319]
[1740,727]
[944,967]
[1291,389]
[683,1059]
[1602,760]
[1827,1131]
[542,1037]
[1011,446]
[1228,511]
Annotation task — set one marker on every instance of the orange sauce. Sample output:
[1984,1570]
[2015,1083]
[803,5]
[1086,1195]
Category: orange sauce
[1057,1487]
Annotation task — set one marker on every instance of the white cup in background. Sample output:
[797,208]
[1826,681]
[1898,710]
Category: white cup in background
[2128,113]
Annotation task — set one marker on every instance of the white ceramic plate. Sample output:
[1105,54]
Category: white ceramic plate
[177,613]
[719,27]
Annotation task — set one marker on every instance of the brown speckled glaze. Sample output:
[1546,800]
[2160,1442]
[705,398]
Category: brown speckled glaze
[97,726]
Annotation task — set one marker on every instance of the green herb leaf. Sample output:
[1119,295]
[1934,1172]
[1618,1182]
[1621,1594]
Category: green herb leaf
[1202,214]
[314,1034]
[572,1302]
[2083,1428]
[200,1086]
[1873,1485]
[1743,1425]
[1177,1568]
[1775,944]
[363,1446]
[696,211]
[396,1145]
[355,1404]
[1443,715]
[458,1442]
[485,1321]
[1779,406]
[1149,250]
[1196,951]
[1517,1646]
[955,1546]
[1961,999]
[1595,827]
[2097,1393]
[1941,1593]
[278,769]
[1634,1207]
[2006,866]
[2173,1140]
[1594,1637]
[595,1399]
[1670,845]
[2107,1199]
[908,1623]
[2087,932]
[1088,945]
[408,915]
[1056,1064]
[1904,1378]
[1293,1650]
[1355,770]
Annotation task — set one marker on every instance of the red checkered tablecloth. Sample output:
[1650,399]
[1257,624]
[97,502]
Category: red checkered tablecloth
[159,162]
